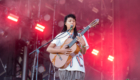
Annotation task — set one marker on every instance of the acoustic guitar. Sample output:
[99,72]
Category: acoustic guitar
[60,60]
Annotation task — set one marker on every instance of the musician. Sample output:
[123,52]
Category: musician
[76,69]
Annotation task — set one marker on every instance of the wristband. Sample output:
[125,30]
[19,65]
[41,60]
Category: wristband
[83,46]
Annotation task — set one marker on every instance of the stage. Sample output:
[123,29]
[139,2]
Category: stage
[27,25]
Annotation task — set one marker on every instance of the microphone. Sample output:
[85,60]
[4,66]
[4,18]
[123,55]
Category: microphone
[71,27]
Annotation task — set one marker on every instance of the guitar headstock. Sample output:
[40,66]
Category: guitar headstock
[93,23]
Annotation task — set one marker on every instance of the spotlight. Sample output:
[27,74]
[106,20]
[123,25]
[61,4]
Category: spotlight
[44,42]
[95,52]
[109,17]
[80,1]
[94,9]
[40,27]
[13,17]
[110,58]
[60,23]
[41,69]
[47,17]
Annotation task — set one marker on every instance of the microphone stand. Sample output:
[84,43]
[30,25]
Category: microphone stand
[37,56]
[35,63]
[49,72]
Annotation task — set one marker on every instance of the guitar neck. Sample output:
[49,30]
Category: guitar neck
[75,39]
[83,32]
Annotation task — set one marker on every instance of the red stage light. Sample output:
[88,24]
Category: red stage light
[13,17]
[95,52]
[111,58]
[40,27]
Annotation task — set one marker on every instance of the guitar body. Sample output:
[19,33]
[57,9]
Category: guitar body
[60,60]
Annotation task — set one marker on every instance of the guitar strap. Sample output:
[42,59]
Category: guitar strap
[70,35]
